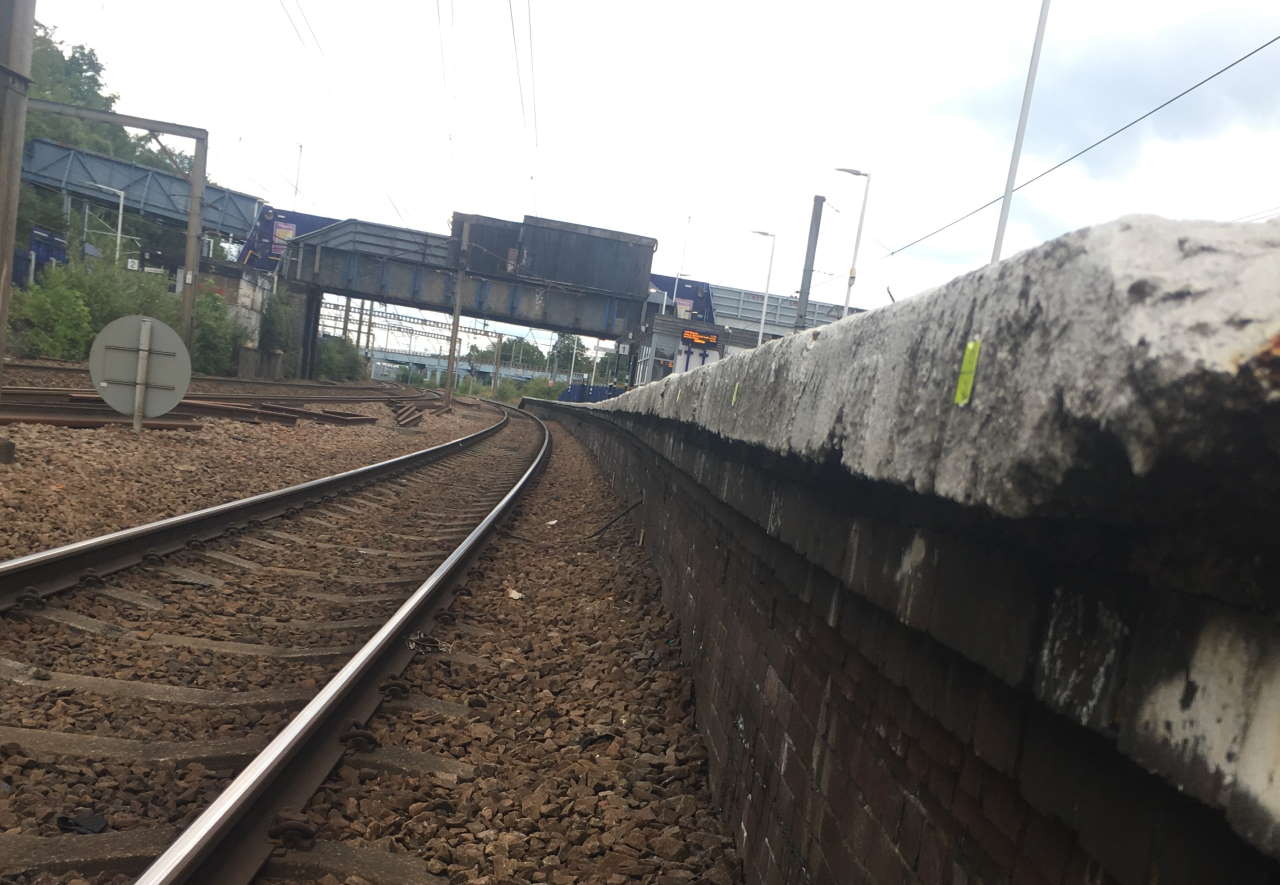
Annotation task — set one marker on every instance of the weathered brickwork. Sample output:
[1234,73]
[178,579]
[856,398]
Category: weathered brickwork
[878,707]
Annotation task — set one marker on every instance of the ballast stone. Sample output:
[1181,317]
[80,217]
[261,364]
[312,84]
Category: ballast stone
[1105,353]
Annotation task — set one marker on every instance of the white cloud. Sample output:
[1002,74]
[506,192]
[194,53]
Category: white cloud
[733,113]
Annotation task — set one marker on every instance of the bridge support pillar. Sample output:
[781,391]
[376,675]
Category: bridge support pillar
[311,333]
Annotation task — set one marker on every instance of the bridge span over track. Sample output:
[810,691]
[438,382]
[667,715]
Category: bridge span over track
[540,273]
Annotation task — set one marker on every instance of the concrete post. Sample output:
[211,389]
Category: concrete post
[17,27]
[456,286]
[311,334]
[809,252]
[497,364]
[191,259]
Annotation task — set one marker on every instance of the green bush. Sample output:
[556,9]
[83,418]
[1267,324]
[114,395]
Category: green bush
[51,320]
[339,360]
[111,292]
[411,376]
[59,316]
[213,346]
[510,391]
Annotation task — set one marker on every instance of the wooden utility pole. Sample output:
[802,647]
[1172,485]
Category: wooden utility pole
[346,319]
[456,286]
[17,33]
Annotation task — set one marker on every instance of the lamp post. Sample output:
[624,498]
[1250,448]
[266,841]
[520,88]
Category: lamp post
[857,240]
[119,212]
[684,252]
[1022,129]
[768,278]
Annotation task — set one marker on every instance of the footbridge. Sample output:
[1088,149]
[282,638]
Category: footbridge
[539,273]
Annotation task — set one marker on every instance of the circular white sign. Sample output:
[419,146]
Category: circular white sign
[113,366]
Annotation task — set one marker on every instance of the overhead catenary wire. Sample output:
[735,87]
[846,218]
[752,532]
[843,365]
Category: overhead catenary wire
[533,77]
[515,50]
[307,22]
[296,32]
[1260,215]
[1090,147]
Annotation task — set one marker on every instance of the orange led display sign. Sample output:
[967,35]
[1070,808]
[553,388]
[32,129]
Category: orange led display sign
[700,338]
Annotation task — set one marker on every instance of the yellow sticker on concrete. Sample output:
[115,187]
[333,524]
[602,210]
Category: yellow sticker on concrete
[968,370]
[733,401]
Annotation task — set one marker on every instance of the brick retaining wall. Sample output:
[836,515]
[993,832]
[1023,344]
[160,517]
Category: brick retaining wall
[898,723]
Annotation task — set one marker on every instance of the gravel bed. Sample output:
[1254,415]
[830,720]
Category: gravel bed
[243,596]
[56,647]
[72,878]
[76,712]
[128,795]
[210,625]
[69,484]
[36,791]
[587,763]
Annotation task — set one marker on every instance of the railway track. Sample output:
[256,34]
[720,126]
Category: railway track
[74,407]
[173,690]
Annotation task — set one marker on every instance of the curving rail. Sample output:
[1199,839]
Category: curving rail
[230,840]
[26,580]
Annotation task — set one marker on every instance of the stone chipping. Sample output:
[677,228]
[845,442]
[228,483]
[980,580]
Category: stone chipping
[582,762]
[67,484]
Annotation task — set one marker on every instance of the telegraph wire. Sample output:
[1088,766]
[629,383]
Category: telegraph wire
[444,72]
[397,208]
[1086,150]
[296,32]
[533,77]
[1261,215]
[515,50]
[307,21]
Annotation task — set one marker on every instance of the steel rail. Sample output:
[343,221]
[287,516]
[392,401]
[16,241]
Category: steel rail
[27,579]
[192,856]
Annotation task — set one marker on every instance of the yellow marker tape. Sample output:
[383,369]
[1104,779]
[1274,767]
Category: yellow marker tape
[968,369]
[733,401]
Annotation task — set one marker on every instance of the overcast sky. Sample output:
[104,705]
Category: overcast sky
[732,114]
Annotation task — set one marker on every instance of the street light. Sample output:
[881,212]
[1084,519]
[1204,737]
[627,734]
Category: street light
[768,278]
[853,267]
[684,252]
[1022,129]
[119,212]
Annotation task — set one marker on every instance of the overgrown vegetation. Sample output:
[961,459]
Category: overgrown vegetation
[412,377]
[51,319]
[74,75]
[280,330]
[339,360]
[69,304]
[511,391]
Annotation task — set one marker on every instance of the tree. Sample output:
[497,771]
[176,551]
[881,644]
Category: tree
[339,360]
[563,353]
[515,352]
[216,336]
[612,368]
[51,319]
[74,76]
